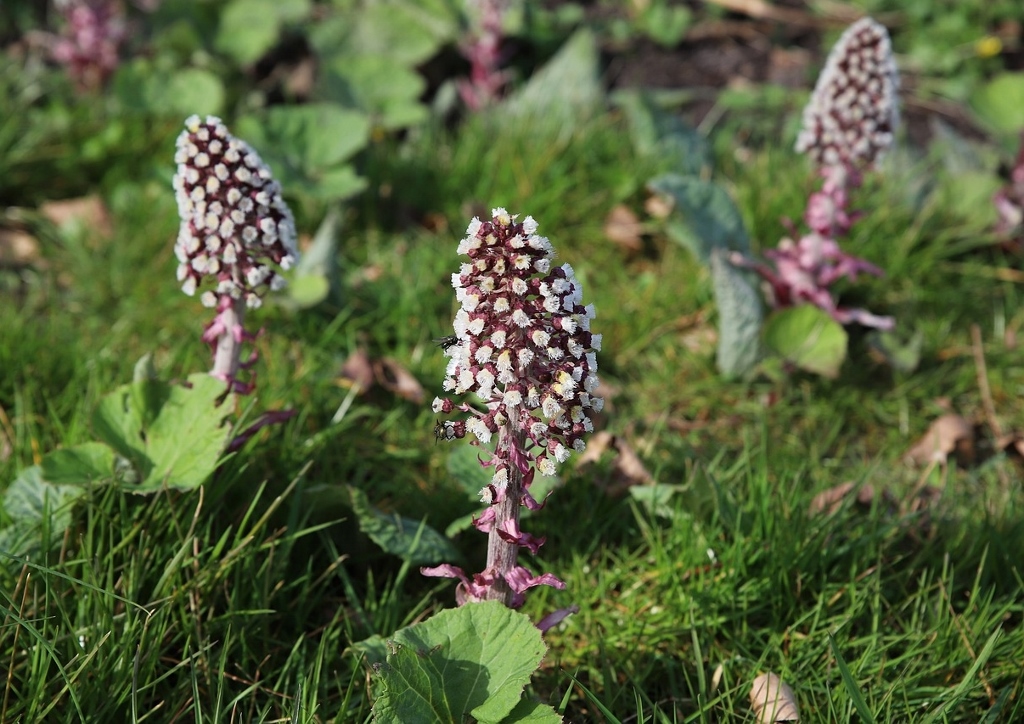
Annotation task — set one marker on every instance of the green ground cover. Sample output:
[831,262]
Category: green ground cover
[241,600]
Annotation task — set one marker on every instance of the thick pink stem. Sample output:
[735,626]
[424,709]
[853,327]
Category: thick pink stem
[227,358]
[502,554]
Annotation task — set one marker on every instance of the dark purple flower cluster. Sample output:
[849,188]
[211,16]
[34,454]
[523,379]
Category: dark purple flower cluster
[88,47]
[236,230]
[523,345]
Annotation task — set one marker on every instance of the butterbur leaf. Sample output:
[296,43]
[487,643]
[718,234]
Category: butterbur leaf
[90,462]
[773,700]
[249,28]
[528,711]
[560,95]
[315,275]
[999,103]
[739,317]
[808,338]
[142,86]
[663,136]
[411,540]
[473,661]
[704,217]
[40,511]
[172,435]
[309,146]
[381,86]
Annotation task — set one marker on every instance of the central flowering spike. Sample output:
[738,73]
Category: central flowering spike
[236,230]
[523,345]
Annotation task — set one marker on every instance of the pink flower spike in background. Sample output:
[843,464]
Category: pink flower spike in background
[848,125]
[88,46]
[523,346]
[236,231]
[483,51]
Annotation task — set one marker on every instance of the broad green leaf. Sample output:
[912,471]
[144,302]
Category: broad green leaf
[666,24]
[249,28]
[704,216]
[308,146]
[90,462]
[193,90]
[144,368]
[40,512]
[739,317]
[409,539]
[470,661]
[173,435]
[528,711]
[315,275]
[999,103]
[663,136]
[560,95]
[142,86]
[808,338]
[378,85]
[308,291]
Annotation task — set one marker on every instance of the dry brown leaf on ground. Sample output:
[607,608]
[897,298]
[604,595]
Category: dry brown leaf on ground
[831,500]
[18,248]
[773,700]
[948,434]
[358,371]
[395,378]
[658,206]
[1012,442]
[626,471]
[623,228]
[87,212]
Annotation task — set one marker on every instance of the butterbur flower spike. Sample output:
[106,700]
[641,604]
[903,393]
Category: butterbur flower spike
[483,51]
[854,111]
[236,231]
[847,127]
[523,346]
[88,47]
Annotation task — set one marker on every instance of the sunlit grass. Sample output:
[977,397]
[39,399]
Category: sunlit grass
[237,603]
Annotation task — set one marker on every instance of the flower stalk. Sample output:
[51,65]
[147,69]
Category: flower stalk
[523,346]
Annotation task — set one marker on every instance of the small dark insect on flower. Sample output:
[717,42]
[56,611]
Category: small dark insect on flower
[439,432]
[447,342]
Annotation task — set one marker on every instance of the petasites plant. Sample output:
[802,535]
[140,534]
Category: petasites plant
[848,125]
[236,232]
[523,346]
